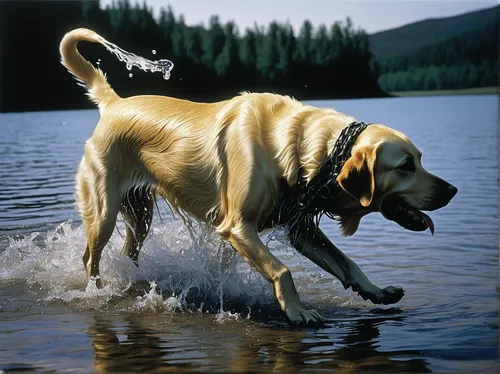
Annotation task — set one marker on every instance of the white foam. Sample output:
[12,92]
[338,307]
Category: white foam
[180,270]
[177,269]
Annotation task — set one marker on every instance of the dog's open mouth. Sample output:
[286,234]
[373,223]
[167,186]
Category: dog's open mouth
[395,209]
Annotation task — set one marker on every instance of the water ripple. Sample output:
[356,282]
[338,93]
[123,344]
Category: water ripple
[447,321]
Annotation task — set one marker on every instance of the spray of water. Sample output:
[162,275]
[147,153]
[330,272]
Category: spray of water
[163,65]
[183,268]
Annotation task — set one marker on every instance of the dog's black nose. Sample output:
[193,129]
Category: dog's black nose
[445,191]
[452,191]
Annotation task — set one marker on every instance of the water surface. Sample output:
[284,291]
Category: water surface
[180,312]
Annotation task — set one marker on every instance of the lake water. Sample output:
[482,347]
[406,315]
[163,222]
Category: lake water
[179,312]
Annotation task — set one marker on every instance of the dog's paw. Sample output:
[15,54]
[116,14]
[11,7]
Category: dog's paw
[392,295]
[388,295]
[95,283]
[302,316]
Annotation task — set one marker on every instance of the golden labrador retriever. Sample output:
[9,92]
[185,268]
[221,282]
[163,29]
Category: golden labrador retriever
[234,165]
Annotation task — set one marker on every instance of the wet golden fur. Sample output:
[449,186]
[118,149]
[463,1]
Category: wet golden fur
[220,163]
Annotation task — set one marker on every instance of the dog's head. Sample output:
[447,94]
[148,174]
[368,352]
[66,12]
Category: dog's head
[385,174]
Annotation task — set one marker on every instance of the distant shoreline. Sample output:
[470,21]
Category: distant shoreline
[465,91]
[86,104]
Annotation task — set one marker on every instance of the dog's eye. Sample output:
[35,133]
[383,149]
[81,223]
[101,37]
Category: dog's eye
[408,165]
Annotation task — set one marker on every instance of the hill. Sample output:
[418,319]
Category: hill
[469,60]
[410,37]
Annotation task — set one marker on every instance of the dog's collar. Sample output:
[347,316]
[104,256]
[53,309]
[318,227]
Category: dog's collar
[341,152]
[306,201]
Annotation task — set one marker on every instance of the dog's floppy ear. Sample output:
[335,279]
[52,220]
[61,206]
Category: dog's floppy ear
[357,176]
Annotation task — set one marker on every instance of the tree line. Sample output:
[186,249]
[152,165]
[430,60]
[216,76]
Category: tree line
[212,62]
[217,60]
[466,61]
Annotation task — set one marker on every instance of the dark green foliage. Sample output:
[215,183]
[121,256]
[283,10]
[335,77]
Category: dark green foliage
[467,61]
[473,47]
[211,63]
[27,38]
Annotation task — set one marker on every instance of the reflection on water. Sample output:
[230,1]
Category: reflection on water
[142,346]
[179,311]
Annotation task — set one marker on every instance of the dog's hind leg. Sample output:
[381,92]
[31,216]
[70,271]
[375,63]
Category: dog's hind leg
[137,210]
[99,204]
[99,231]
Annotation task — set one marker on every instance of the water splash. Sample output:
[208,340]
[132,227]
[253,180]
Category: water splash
[163,65]
[183,267]
[179,271]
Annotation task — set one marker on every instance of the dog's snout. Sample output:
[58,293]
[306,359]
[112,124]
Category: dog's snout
[442,193]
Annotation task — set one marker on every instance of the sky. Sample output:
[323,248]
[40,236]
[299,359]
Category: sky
[371,15]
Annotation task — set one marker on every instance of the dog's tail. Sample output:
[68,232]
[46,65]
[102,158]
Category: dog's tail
[94,80]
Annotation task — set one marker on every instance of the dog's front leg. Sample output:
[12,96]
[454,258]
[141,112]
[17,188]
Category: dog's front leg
[244,238]
[316,246]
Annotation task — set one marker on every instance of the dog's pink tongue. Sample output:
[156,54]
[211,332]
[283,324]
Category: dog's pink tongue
[428,222]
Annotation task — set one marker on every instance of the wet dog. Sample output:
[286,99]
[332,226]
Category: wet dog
[231,164]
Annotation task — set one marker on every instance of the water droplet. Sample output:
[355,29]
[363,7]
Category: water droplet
[153,51]
[99,60]
[129,66]
[130,75]
[97,63]
[64,123]
[166,75]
